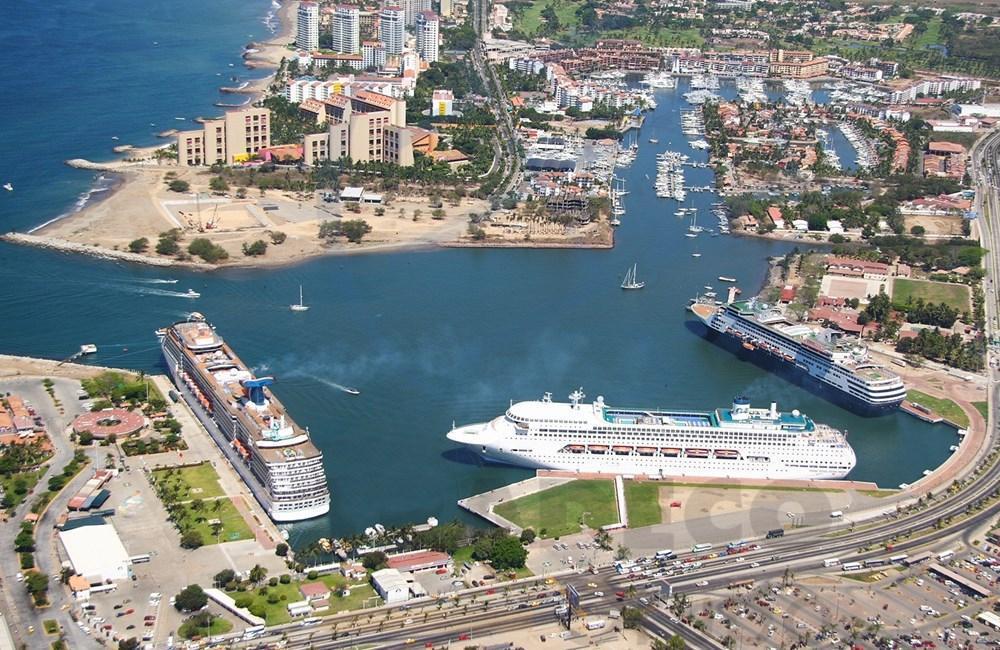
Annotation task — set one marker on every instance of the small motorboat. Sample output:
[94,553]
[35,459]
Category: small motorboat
[191,293]
[352,391]
[8,187]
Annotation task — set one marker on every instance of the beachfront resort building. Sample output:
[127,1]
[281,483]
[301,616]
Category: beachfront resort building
[234,138]
[307,32]
[392,29]
[797,64]
[345,29]
[427,36]
[366,127]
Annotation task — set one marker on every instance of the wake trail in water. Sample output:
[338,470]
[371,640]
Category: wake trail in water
[331,384]
[165,293]
[157,281]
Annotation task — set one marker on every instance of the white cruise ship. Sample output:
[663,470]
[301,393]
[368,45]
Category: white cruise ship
[737,442]
[275,458]
[841,367]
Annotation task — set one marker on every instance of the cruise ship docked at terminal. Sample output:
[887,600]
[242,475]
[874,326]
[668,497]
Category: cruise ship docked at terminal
[841,367]
[274,456]
[737,442]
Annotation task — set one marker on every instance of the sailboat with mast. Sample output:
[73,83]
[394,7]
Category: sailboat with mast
[631,281]
[300,306]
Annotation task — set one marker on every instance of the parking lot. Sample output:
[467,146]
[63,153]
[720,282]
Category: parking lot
[905,607]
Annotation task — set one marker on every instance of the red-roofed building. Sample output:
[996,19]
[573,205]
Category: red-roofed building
[314,591]
[787,294]
[419,561]
[855,268]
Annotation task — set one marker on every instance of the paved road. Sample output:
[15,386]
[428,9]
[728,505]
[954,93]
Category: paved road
[19,609]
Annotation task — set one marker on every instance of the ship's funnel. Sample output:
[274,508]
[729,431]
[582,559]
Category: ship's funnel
[741,408]
[255,389]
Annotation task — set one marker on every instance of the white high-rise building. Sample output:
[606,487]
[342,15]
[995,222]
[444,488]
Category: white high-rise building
[447,8]
[373,54]
[346,30]
[307,32]
[391,29]
[427,36]
[412,9]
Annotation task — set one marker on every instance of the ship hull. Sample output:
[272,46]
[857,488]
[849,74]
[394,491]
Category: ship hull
[796,375]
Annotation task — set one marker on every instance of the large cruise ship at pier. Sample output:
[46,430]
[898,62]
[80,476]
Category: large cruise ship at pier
[841,367]
[273,455]
[737,442]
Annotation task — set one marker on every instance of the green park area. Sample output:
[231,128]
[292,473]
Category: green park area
[654,36]
[643,503]
[204,625]
[198,506]
[192,482]
[270,601]
[561,509]
[944,407]
[530,19]
[984,409]
[953,295]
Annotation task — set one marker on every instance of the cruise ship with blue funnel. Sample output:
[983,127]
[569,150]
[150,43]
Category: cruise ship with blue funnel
[736,442]
[273,455]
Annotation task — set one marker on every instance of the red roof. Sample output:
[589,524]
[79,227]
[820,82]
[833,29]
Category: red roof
[418,560]
[315,590]
[945,147]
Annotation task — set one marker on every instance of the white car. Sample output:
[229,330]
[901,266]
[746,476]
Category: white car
[19,576]
[598,593]
[755,565]
[702,583]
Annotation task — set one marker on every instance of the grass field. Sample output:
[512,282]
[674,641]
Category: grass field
[943,407]
[643,502]
[190,629]
[662,37]
[194,482]
[931,36]
[984,409]
[277,612]
[953,295]
[559,510]
[531,18]
[234,528]
[30,480]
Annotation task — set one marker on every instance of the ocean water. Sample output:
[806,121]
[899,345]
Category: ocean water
[430,338]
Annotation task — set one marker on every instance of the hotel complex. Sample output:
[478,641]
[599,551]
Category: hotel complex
[307,33]
[234,138]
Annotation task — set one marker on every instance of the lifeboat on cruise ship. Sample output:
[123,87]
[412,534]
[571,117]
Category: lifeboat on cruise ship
[621,450]
[576,449]
[726,453]
[670,451]
[788,357]
[747,345]
[646,451]
[240,449]
[597,449]
[696,453]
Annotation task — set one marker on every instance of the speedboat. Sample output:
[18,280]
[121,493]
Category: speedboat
[191,293]
[352,391]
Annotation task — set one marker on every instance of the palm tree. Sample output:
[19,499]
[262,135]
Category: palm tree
[622,552]
[679,604]
[257,574]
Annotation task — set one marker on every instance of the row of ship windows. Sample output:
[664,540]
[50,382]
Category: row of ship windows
[706,462]
[732,437]
[298,505]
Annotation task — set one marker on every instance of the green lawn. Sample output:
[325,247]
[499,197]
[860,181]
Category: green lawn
[194,482]
[233,526]
[661,37]
[643,502]
[931,36]
[190,629]
[954,295]
[30,479]
[559,510]
[277,613]
[946,408]
[984,409]
[51,626]
[531,18]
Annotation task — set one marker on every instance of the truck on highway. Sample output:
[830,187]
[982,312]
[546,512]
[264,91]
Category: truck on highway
[832,561]
[776,532]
